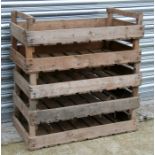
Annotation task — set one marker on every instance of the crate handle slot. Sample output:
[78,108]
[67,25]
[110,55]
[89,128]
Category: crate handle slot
[137,15]
[29,19]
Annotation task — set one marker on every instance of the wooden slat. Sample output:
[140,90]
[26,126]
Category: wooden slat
[81,134]
[21,130]
[21,106]
[124,13]
[19,59]
[84,110]
[81,61]
[81,86]
[65,24]
[19,33]
[22,83]
[84,34]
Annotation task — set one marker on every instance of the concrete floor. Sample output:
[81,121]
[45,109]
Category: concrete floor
[135,143]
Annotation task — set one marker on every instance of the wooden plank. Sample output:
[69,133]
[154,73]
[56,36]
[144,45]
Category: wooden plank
[81,134]
[22,83]
[19,59]
[19,33]
[137,15]
[124,13]
[84,34]
[81,61]
[20,129]
[84,110]
[24,16]
[65,24]
[21,106]
[81,86]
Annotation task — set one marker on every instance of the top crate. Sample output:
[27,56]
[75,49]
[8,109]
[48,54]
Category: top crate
[33,33]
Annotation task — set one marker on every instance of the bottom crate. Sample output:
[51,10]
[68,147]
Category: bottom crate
[74,130]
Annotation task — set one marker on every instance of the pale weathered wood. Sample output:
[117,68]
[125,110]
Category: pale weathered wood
[24,16]
[14,16]
[136,15]
[22,83]
[31,64]
[109,19]
[21,106]
[72,87]
[29,52]
[65,24]
[18,59]
[81,61]
[21,130]
[81,86]
[83,34]
[32,103]
[29,19]
[18,32]
[83,110]
[137,70]
[13,39]
[67,31]
[81,134]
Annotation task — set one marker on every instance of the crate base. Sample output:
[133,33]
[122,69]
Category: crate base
[92,129]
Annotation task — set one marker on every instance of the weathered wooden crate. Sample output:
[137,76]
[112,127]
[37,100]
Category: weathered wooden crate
[32,32]
[63,108]
[78,129]
[75,55]
[86,39]
[52,84]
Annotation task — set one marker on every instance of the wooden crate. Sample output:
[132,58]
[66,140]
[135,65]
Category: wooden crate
[52,84]
[86,39]
[63,108]
[50,134]
[75,55]
[32,32]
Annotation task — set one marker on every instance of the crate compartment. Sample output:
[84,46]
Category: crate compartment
[73,81]
[33,32]
[76,106]
[74,130]
[75,55]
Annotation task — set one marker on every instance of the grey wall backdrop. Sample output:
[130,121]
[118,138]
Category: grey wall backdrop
[60,9]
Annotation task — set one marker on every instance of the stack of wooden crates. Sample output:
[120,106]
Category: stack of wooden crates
[75,79]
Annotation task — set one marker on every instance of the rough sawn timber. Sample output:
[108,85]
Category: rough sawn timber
[75,111]
[37,142]
[78,35]
[79,86]
[75,61]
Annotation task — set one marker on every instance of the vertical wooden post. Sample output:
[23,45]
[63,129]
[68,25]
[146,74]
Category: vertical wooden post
[137,70]
[14,20]
[30,21]
[33,81]
[32,103]
[109,20]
